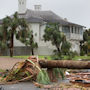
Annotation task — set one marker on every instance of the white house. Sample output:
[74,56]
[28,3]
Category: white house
[37,20]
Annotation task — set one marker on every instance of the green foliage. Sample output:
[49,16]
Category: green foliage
[9,30]
[57,57]
[1,33]
[82,53]
[43,77]
[57,38]
[3,45]
[50,57]
[88,54]
[53,34]
[85,44]
[29,41]
[27,73]
[72,54]
[65,48]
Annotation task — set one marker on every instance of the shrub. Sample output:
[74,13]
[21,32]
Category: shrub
[82,53]
[88,54]
[72,55]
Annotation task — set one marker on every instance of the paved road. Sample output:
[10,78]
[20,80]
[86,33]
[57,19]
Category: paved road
[20,86]
[7,63]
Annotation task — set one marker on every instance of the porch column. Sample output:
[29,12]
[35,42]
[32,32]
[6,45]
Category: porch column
[70,29]
[74,29]
[77,30]
[60,28]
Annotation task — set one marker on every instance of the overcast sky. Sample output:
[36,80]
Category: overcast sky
[77,11]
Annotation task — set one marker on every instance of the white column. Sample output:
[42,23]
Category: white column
[74,29]
[60,28]
[70,29]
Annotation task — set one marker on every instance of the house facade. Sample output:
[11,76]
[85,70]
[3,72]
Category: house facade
[37,20]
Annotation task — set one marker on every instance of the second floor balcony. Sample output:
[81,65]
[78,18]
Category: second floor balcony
[73,33]
[72,36]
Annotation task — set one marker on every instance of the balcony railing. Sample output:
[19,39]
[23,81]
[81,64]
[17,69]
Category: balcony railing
[73,36]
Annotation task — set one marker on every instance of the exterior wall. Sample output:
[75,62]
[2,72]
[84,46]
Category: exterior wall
[74,35]
[75,46]
[78,37]
[22,50]
[45,48]
[18,51]
[17,43]
[35,28]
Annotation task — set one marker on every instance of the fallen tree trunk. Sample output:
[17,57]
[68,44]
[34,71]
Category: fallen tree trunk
[65,64]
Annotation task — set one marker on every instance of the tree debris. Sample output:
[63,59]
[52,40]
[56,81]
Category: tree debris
[31,70]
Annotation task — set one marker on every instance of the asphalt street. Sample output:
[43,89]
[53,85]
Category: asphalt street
[20,86]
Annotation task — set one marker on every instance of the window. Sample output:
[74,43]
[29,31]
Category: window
[81,32]
[75,29]
[72,30]
[78,30]
[66,29]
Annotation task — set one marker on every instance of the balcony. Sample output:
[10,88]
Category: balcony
[73,36]
[76,36]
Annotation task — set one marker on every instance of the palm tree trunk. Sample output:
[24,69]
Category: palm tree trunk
[32,51]
[58,49]
[11,46]
[64,64]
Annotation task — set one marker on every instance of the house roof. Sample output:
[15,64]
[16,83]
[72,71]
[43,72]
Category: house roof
[33,16]
[46,16]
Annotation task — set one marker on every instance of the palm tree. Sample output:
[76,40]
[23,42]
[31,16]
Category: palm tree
[28,40]
[10,26]
[65,48]
[53,34]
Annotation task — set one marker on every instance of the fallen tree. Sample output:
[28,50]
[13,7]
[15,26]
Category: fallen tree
[32,69]
[65,64]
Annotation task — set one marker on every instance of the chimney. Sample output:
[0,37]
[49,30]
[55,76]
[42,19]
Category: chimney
[22,6]
[65,19]
[37,7]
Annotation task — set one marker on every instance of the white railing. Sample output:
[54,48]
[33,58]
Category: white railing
[76,36]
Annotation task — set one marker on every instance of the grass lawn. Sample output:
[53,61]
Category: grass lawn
[40,57]
[81,57]
[50,57]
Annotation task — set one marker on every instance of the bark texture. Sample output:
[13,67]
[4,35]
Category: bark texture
[65,64]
